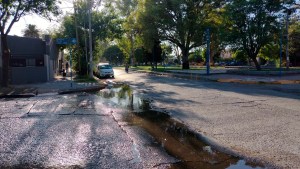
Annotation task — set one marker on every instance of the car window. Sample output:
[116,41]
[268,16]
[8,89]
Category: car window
[105,67]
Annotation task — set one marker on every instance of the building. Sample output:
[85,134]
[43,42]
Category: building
[32,60]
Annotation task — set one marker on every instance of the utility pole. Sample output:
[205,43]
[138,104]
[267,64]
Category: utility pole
[281,34]
[77,36]
[208,51]
[86,52]
[288,12]
[90,38]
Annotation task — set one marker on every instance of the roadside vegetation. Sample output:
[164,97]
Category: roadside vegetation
[84,79]
[168,32]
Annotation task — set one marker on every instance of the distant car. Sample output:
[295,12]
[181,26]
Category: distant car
[104,70]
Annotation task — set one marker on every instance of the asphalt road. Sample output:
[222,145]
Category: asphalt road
[258,122]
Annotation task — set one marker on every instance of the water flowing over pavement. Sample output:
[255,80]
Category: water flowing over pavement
[70,131]
[110,130]
[252,121]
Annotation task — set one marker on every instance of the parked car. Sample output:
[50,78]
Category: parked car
[104,70]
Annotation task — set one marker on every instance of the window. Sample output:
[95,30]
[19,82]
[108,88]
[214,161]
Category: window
[105,67]
[30,62]
[18,62]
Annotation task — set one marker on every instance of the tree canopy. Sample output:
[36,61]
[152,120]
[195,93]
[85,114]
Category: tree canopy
[31,31]
[252,24]
[139,29]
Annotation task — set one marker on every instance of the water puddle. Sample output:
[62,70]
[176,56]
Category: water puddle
[173,136]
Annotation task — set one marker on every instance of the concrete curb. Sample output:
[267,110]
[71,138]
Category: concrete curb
[258,81]
[26,95]
[195,76]
[87,89]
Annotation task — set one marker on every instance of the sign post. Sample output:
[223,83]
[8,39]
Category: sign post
[280,68]
[68,41]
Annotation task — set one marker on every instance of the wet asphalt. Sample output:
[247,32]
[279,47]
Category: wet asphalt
[257,122]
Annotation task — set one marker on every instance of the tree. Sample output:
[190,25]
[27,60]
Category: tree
[181,22]
[10,12]
[114,55]
[252,24]
[294,47]
[106,26]
[269,52]
[31,31]
[128,10]
[240,56]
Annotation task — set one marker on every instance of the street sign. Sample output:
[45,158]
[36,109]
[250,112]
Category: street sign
[66,41]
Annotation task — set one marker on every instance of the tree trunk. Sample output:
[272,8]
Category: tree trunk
[257,65]
[5,61]
[185,60]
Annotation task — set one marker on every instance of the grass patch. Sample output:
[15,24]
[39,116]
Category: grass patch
[160,68]
[163,69]
[84,78]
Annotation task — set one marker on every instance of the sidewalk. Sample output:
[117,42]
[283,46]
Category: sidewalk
[60,85]
[221,76]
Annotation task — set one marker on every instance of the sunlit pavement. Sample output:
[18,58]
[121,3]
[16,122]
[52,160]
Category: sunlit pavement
[69,131]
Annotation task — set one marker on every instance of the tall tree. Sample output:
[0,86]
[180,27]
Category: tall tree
[10,12]
[128,10]
[31,31]
[294,47]
[106,26]
[181,22]
[252,24]
[114,55]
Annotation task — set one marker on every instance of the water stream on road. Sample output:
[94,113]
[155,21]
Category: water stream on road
[171,135]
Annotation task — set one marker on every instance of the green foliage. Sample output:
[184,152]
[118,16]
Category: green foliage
[139,55]
[106,26]
[31,31]
[269,52]
[114,55]
[251,24]
[294,35]
[196,57]
[240,56]
[12,10]
[124,45]
[203,54]
[84,79]
[179,22]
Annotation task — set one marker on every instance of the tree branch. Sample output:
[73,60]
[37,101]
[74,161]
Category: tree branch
[15,19]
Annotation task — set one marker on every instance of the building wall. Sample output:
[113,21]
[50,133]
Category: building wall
[23,75]
[30,59]
[0,63]
[53,53]
[27,60]
[0,75]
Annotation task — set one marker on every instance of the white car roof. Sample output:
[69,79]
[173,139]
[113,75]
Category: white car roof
[99,64]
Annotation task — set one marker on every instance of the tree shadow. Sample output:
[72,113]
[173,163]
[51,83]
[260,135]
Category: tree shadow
[45,139]
[247,89]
